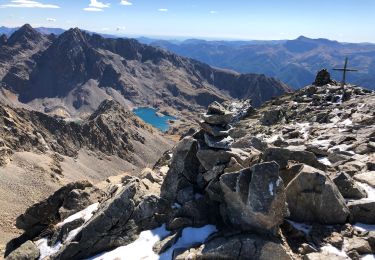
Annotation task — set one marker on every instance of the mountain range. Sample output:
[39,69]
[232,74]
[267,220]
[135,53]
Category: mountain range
[71,74]
[294,62]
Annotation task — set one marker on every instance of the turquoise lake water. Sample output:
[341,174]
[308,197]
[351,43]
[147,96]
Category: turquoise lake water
[150,116]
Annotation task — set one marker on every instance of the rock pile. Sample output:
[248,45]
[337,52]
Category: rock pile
[323,78]
[216,127]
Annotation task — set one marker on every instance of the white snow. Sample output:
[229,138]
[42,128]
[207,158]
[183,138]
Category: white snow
[190,237]
[45,249]
[347,122]
[333,250]
[139,249]
[368,257]
[369,190]
[301,226]
[304,129]
[86,214]
[325,161]
[273,138]
[270,188]
[364,227]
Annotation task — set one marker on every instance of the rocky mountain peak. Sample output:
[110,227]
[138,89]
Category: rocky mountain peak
[3,39]
[25,35]
[108,107]
[72,38]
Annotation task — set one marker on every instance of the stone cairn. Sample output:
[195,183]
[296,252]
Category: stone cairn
[216,127]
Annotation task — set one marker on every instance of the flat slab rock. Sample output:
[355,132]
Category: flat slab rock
[367,177]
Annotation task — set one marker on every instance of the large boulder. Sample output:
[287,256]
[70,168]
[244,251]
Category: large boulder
[348,188]
[118,221]
[239,247]
[313,197]
[283,155]
[362,211]
[27,251]
[66,201]
[183,169]
[254,198]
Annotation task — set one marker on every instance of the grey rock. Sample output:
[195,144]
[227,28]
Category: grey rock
[255,198]
[214,172]
[218,142]
[271,117]
[215,130]
[43,214]
[185,195]
[209,157]
[362,211]
[313,197]
[348,188]
[27,251]
[367,177]
[241,247]
[215,108]
[218,119]
[358,244]
[283,155]
[183,169]
[117,222]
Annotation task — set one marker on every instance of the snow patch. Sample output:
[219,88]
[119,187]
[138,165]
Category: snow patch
[368,257]
[301,226]
[45,249]
[364,227]
[139,249]
[369,190]
[190,237]
[333,250]
[325,161]
[86,214]
[270,188]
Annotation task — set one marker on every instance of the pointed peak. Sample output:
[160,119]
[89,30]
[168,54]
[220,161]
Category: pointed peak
[24,35]
[74,35]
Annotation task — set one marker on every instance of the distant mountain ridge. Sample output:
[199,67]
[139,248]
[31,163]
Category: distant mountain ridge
[71,74]
[295,62]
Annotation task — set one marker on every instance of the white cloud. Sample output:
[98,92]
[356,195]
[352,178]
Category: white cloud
[51,19]
[125,2]
[163,10]
[96,6]
[213,12]
[27,4]
[92,9]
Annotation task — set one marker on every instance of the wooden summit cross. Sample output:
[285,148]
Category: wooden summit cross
[344,70]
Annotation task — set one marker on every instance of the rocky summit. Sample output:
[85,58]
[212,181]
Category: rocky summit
[293,179]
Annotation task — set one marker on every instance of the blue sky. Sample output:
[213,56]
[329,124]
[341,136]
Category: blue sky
[343,20]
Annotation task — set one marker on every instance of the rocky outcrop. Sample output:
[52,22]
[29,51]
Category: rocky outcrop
[254,198]
[313,197]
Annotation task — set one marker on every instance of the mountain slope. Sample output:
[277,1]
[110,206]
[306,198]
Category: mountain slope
[295,62]
[76,71]
[40,153]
